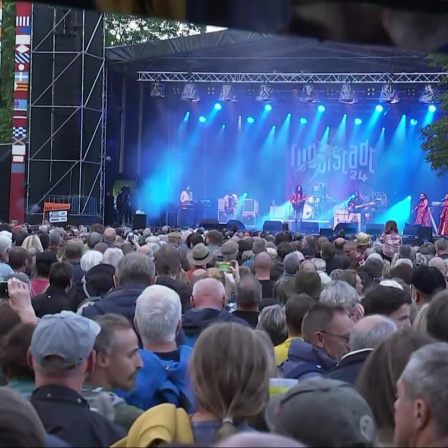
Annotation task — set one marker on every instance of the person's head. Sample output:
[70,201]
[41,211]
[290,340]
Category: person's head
[14,351]
[55,240]
[113,256]
[405,252]
[352,277]
[380,372]
[208,293]
[426,282]
[117,357]
[328,251]
[229,251]
[18,259]
[441,246]
[308,282]
[74,250]
[61,274]
[375,267]
[391,302]
[421,319]
[422,401]
[422,196]
[93,239]
[272,321]
[258,440]
[262,265]
[158,315]
[299,189]
[135,268]
[339,243]
[327,327]
[239,386]
[402,271]
[291,264]
[435,262]
[167,261]
[295,310]
[20,424]
[214,238]
[283,250]
[91,259]
[308,265]
[188,189]
[62,350]
[248,293]
[5,246]
[437,315]
[371,331]
[110,235]
[356,194]
[339,292]
[322,412]
[351,249]
[391,227]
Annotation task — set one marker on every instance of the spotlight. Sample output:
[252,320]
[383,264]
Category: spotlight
[308,94]
[432,108]
[190,93]
[202,119]
[388,94]
[379,108]
[250,120]
[223,126]
[218,106]
[267,108]
[428,95]
[413,121]
[266,94]
[321,108]
[227,94]
[347,94]
[303,121]
[158,90]
[409,198]
[187,116]
[358,121]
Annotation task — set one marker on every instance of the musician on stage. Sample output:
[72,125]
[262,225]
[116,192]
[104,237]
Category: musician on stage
[355,207]
[443,225]
[298,202]
[186,197]
[231,205]
[423,214]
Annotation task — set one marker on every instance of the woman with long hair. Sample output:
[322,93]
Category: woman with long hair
[390,239]
[443,225]
[422,208]
[298,202]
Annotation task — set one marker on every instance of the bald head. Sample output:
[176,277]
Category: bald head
[439,264]
[308,265]
[110,235]
[146,250]
[339,243]
[208,293]
[258,440]
[371,332]
[263,261]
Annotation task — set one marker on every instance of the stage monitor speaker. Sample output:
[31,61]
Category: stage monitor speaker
[272,226]
[309,227]
[349,228]
[326,232]
[140,221]
[210,224]
[374,229]
[236,223]
[425,234]
[411,230]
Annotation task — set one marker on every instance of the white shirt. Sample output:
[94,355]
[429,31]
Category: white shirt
[185,196]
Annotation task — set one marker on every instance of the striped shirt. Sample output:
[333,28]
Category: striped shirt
[391,243]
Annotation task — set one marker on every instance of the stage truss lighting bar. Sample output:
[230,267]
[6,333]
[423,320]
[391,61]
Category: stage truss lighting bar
[285,78]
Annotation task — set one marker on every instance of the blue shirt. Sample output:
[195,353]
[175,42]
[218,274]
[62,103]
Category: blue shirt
[5,270]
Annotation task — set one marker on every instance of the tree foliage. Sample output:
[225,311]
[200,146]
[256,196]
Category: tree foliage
[435,135]
[128,30]
[7,71]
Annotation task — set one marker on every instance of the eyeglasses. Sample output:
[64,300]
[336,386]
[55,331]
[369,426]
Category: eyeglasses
[345,338]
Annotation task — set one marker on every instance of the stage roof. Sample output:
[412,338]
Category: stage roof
[232,51]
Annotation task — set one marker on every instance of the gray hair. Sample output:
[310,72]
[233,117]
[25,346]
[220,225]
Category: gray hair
[91,259]
[338,292]
[426,375]
[371,332]
[113,256]
[158,313]
[272,320]
[109,323]
[248,291]
[55,238]
[320,264]
[291,263]
[5,244]
[135,268]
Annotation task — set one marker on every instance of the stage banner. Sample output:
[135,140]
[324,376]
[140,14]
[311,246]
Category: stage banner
[342,168]
[20,115]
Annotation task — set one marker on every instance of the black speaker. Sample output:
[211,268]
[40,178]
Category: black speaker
[210,224]
[309,227]
[140,221]
[236,223]
[272,226]
[326,232]
[374,229]
[349,228]
[425,234]
[411,230]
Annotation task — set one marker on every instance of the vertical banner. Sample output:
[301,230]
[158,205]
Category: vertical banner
[22,57]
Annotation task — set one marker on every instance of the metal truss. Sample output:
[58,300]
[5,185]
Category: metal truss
[297,78]
[81,177]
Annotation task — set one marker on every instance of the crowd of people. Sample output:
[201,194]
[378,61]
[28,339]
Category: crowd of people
[113,337]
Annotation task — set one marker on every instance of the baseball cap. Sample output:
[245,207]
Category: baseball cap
[364,239]
[428,280]
[322,412]
[65,337]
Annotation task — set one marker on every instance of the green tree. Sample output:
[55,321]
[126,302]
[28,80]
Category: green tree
[435,136]
[7,71]
[128,30]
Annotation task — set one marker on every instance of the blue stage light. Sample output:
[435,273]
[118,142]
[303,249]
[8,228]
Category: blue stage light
[250,120]
[321,108]
[202,119]
[267,108]
[432,108]
[218,106]
[409,198]
[358,121]
[303,121]
[413,121]
[379,108]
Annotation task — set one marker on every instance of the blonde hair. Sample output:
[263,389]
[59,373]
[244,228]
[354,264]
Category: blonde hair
[221,277]
[421,319]
[239,386]
[33,242]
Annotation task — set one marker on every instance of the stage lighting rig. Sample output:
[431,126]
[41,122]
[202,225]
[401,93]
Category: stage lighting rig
[347,94]
[158,90]
[190,93]
[227,94]
[428,95]
[308,94]
[388,94]
[266,94]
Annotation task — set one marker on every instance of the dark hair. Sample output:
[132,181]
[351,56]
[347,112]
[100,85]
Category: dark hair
[437,315]
[391,226]
[248,291]
[194,239]
[366,280]
[349,276]
[381,371]
[328,251]
[295,310]
[14,350]
[18,257]
[44,240]
[385,300]
[318,318]
[61,274]
[8,318]
[215,237]
[167,260]
[283,249]
[404,272]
